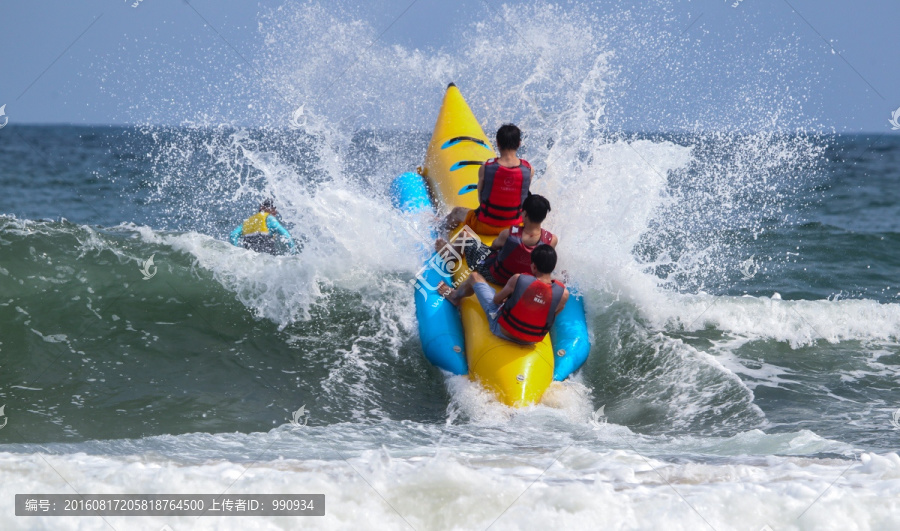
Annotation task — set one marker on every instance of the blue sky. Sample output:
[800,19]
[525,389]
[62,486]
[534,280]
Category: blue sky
[64,62]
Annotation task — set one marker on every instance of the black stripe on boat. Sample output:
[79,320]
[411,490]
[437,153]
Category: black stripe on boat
[464,163]
[458,139]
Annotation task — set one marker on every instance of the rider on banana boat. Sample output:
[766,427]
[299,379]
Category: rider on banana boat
[503,184]
[510,253]
[525,309]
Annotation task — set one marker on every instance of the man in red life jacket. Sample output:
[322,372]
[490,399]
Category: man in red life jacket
[503,185]
[524,310]
[510,253]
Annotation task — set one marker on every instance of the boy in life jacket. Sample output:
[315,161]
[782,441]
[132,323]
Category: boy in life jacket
[511,251]
[257,233]
[503,184]
[524,310]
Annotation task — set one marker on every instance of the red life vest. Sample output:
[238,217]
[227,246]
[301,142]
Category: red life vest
[515,256]
[502,192]
[529,312]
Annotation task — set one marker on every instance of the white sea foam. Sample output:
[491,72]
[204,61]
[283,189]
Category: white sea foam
[798,322]
[578,486]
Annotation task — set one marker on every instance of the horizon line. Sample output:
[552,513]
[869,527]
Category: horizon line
[647,131]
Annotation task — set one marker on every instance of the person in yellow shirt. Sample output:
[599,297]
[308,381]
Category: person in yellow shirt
[257,232]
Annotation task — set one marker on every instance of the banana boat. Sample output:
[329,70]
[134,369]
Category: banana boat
[459,340]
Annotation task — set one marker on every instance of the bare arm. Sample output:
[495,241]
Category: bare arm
[500,240]
[562,301]
[507,290]
[554,241]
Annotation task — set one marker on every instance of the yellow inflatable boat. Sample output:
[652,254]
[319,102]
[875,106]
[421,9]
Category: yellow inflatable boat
[517,374]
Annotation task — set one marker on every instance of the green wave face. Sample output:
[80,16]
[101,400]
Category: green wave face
[92,350]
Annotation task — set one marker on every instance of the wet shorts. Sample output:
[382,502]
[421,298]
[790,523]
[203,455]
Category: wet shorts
[479,226]
[480,258]
[485,294]
[259,243]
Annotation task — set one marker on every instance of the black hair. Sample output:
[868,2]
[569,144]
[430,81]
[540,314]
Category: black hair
[544,258]
[266,205]
[509,137]
[536,206]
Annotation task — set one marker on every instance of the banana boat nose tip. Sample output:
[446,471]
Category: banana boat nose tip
[452,84]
